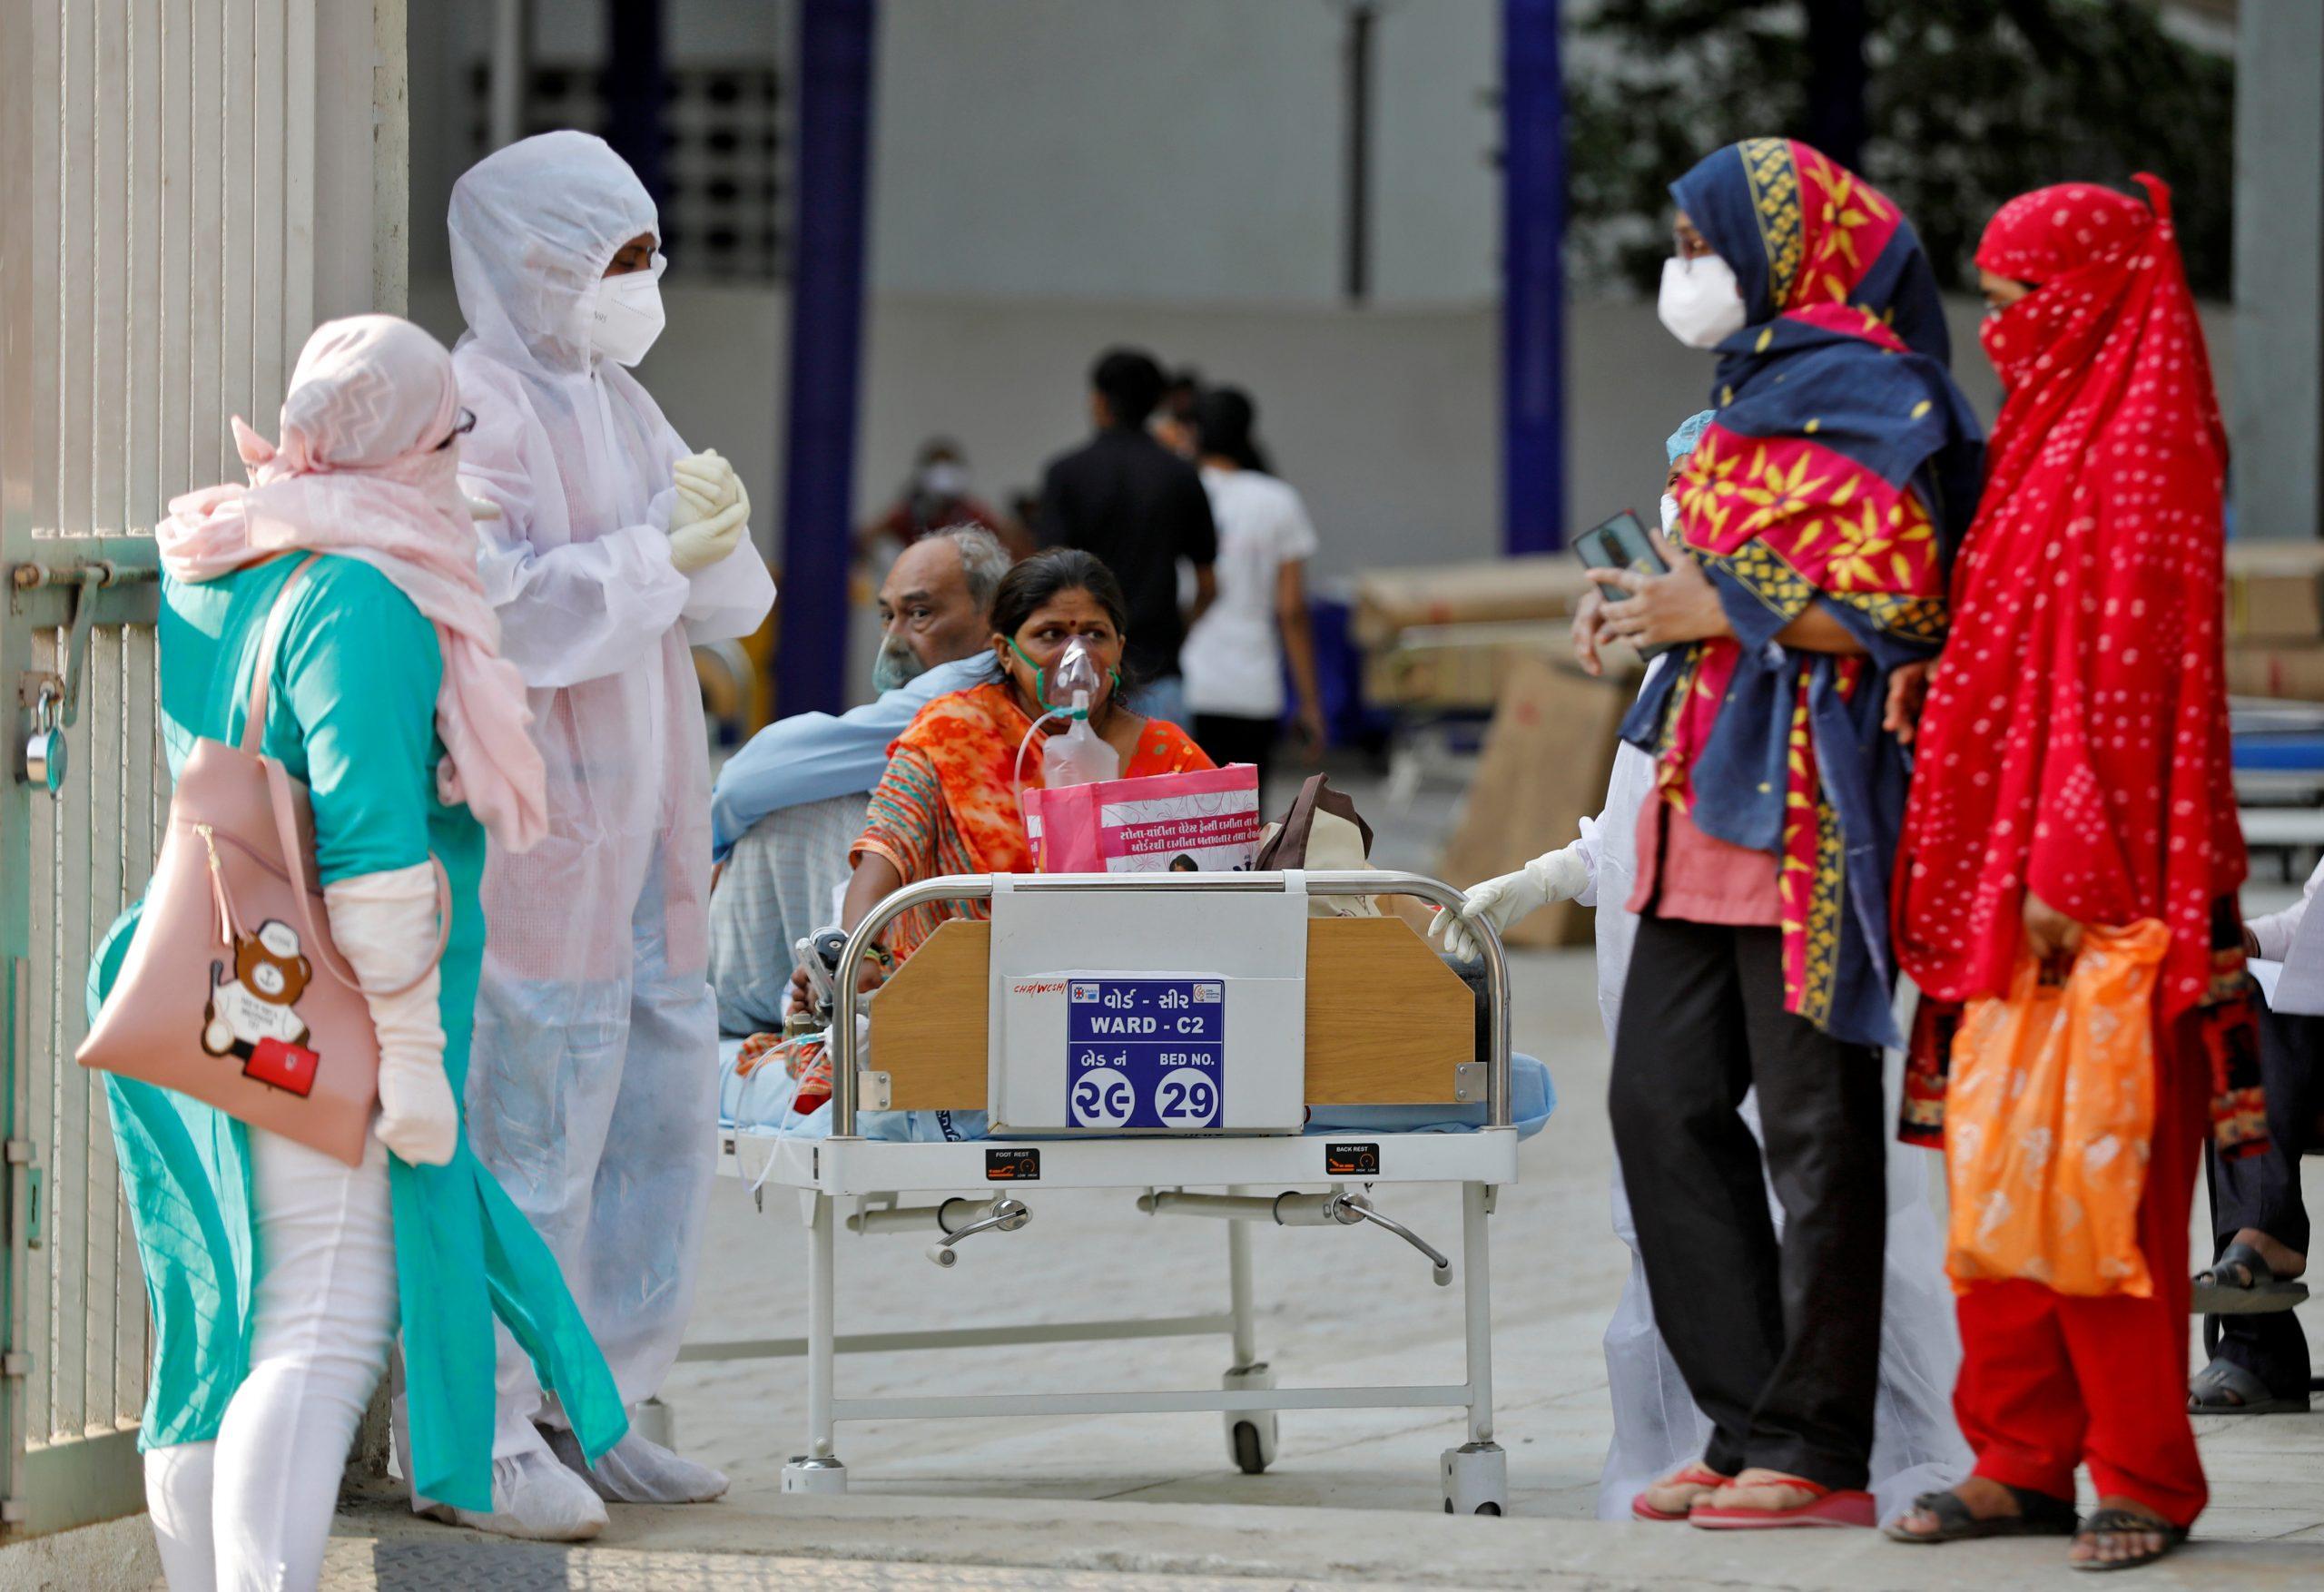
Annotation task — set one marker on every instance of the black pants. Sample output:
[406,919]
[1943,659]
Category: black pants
[2263,1191]
[1228,738]
[1779,1341]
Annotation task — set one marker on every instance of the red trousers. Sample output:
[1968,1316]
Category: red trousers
[2048,1381]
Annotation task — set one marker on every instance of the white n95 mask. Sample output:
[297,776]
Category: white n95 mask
[627,315]
[1701,303]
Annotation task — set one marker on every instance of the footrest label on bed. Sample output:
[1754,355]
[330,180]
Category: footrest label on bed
[1350,1160]
[1016,1165]
[1146,1053]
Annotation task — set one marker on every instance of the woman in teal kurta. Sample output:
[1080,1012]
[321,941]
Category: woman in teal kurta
[353,712]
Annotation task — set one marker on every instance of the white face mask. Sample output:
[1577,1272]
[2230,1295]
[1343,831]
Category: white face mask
[627,315]
[1669,515]
[1701,303]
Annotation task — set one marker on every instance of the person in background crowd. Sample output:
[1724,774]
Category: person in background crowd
[787,807]
[615,550]
[279,1275]
[1235,654]
[936,497]
[1141,510]
[1658,1427]
[1815,516]
[2258,1217]
[2073,770]
[1174,423]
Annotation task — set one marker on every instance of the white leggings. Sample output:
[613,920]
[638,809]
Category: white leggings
[252,1509]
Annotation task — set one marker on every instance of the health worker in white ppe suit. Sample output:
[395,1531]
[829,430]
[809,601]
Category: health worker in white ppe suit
[616,549]
[1917,1445]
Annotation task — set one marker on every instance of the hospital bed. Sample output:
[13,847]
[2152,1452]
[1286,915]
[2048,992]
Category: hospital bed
[1020,1017]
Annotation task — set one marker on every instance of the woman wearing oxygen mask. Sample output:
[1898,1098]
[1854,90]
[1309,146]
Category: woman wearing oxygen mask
[1050,715]
[615,550]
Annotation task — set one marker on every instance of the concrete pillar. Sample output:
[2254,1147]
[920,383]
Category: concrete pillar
[2277,409]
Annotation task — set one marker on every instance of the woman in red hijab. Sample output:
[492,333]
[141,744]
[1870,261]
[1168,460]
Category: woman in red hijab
[2073,769]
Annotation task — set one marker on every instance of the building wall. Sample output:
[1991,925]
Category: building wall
[1102,150]
[1117,150]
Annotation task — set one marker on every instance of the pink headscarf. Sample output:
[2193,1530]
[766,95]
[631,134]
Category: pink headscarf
[362,472]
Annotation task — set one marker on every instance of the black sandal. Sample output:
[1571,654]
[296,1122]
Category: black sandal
[2038,1515]
[2123,1523]
[2225,1388]
[2217,1291]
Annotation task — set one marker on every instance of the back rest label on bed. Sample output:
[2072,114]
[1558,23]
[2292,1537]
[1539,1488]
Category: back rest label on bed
[1016,1164]
[1351,1160]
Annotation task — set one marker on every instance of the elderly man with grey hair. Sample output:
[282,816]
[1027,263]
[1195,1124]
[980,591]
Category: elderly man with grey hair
[789,805]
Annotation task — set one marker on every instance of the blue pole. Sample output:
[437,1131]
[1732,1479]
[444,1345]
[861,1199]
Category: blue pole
[835,38]
[1532,286]
[636,91]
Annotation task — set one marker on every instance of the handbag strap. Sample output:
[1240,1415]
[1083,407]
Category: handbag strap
[295,857]
[1288,846]
[261,678]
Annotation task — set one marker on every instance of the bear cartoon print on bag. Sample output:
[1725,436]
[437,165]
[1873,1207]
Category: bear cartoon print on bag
[253,1013]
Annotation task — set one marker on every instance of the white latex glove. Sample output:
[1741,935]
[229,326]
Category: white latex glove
[700,536]
[709,478]
[1554,875]
[385,926]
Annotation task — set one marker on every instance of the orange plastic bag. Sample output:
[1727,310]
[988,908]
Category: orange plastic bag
[2049,1114]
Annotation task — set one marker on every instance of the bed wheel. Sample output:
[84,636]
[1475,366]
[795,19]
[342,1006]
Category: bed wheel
[1251,1440]
[1250,1433]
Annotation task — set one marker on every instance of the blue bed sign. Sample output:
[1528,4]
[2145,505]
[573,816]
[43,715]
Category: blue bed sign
[1146,1053]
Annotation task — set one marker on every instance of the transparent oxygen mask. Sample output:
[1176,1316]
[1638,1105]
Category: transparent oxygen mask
[1076,754]
[1076,680]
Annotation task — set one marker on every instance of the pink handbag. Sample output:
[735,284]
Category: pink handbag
[231,990]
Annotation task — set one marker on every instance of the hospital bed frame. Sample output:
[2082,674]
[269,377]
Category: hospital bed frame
[1383,1010]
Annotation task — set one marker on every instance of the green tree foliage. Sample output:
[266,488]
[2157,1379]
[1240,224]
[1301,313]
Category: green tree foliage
[1970,102]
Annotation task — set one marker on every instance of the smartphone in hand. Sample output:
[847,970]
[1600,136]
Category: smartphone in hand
[1622,543]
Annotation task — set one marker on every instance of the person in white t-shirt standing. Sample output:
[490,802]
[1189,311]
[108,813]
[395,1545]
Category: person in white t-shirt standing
[1235,655]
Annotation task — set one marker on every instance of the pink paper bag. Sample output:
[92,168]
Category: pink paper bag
[1205,820]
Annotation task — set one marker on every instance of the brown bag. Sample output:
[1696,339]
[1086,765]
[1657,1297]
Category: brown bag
[1322,831]
[231,990]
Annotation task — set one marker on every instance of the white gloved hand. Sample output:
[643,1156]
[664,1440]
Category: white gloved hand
[385,926]
[708,479]
[711,514]
[1554,875]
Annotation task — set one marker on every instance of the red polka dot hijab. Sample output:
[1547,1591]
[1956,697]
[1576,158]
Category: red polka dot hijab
[2075,737]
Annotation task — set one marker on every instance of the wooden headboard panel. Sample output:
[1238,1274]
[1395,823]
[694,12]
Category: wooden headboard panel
[1387,1021]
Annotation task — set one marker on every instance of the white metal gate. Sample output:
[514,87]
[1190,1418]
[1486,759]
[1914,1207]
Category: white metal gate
[157,161]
